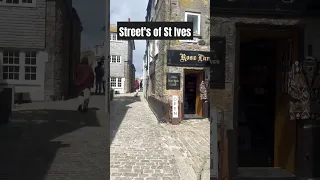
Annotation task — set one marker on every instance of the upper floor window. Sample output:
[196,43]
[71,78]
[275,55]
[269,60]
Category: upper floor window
[27,3]
[115,59]
[195,18]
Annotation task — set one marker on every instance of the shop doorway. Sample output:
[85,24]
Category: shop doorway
[257,103]
[266,135]
[192,101]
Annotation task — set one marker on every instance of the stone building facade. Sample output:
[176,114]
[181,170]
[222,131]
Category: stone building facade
[42,36]
[121,63]
[64,31]
[157,50]
[289,140]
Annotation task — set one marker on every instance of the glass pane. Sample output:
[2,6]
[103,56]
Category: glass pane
[16,69]
[33,61]
[8,1]
[27,69]
[16,1]
[33,54]
[27,61]
[33,77]
[10,75]
[6,54]
[16,60]
[16,54]
[16,76]
[5,60]
[10,69]
[33,69]
[24,1]
[10,60]
[5,76]
[27,76]
[5,68]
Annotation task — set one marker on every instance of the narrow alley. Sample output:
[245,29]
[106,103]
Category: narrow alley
[143,149]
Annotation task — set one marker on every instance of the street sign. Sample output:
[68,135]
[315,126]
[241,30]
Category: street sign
[175,106]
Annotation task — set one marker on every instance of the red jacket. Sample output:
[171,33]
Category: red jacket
[136,85]
[84,76]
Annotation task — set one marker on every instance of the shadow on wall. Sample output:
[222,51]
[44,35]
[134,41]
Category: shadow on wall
[27,145]
[119,107]
[160,109]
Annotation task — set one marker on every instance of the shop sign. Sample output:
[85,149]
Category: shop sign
[188,58]
[173,81]
[175,106]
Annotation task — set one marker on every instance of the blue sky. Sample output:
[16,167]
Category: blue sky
[93,19]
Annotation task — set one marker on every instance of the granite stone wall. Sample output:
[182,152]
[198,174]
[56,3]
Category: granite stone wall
[226,26]
[58,32]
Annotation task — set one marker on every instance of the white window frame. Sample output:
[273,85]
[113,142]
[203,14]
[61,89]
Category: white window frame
[195,38]
[20,4]
[119,80]
[113,34]
[199,20]
[156,47]
[111,81]
[30,65]
[13,64]
[116,56]
[21,65]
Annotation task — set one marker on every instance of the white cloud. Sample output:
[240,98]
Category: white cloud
[121,10]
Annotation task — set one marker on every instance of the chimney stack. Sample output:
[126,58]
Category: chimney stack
[129,19]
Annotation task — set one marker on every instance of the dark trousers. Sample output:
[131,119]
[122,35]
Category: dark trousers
[100,84]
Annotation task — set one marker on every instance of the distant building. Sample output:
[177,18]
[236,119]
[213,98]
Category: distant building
[39,48]
[121,63]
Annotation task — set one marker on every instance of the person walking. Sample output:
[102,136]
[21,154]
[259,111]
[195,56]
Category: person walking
[84,82]
[136,87]
[141,85]
[99,70]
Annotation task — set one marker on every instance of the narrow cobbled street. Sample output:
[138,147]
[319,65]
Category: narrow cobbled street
[143,149]
[53,141]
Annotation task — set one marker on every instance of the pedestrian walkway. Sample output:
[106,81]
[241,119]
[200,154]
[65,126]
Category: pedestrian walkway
[53,141]
[143,149]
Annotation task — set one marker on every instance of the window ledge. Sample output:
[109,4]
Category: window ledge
[194,40]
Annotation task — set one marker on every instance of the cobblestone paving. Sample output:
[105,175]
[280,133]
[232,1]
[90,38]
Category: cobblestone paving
[53,141]
[193,140]
[143,149]
[137,151]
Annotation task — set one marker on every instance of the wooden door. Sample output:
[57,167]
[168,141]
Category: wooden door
[285,129]
[198,99]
